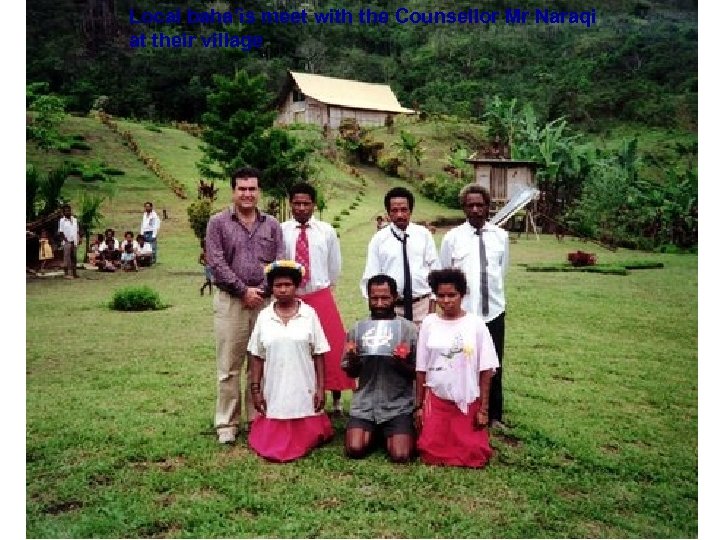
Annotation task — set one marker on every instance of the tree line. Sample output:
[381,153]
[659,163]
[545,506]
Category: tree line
[638,64]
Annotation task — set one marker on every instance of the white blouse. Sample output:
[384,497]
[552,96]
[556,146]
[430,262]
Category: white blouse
[289,382]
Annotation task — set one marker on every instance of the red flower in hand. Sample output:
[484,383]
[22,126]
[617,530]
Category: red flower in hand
[401,350]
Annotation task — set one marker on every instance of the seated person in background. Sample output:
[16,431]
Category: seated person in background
[129,239]
[127,259]
[106,261]
[111,244]
[95,249]
[383,403]
[143,251]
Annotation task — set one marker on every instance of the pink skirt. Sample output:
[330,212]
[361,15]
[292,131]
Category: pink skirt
[448,436]
[288,440]
[323,303]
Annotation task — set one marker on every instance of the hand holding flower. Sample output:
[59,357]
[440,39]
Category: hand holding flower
[401,351]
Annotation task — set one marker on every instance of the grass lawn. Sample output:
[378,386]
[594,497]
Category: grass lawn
[601,391]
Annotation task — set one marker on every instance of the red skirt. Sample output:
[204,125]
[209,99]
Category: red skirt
[323,303]
[448,436]
[288,440]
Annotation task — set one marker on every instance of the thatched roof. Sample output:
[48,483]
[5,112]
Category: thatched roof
[43,222]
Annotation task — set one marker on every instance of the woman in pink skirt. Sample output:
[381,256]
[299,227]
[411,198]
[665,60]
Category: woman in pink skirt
[286,372]
[455,362]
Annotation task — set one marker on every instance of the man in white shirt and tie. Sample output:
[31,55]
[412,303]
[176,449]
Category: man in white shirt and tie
[406,252]
[482,251]
[70,234]
[149,228]
[315,245]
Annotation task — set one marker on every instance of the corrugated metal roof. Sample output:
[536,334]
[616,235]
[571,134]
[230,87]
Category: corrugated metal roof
[347,93]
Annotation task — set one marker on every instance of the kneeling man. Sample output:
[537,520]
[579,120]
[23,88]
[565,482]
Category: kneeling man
[381,351]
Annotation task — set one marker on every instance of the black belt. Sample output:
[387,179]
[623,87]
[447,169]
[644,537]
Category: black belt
[399,301]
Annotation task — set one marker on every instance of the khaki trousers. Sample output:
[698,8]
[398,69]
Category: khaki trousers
[233,324]
[421,309]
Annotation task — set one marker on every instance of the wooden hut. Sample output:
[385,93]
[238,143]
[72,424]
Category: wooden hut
[327,101]
[503,177]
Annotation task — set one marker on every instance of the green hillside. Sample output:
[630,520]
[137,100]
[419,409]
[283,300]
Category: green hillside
[601,390]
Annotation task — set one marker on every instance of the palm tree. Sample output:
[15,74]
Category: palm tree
[410,148]
[89,216]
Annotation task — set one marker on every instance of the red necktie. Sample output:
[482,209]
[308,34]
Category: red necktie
[302,253]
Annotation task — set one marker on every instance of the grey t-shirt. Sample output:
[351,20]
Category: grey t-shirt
[386,385]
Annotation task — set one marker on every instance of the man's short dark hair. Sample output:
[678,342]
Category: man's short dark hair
[303,188]
[399,192]
[381,279]
[148,202]
[473,188]
[244,172]
[448,276]
[65,206]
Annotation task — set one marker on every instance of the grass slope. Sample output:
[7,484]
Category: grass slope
[601,387]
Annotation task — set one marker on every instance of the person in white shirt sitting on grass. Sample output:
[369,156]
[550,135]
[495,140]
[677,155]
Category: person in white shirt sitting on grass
[127,259]
[143,251]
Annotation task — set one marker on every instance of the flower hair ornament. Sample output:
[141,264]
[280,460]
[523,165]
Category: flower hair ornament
[285,263]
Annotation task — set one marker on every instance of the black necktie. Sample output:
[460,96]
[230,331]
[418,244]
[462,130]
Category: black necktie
[484,292]
[407,285]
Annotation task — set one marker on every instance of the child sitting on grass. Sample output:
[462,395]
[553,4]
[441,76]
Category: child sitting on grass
[127,259]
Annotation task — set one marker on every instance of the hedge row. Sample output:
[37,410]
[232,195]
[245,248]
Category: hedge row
[150,162]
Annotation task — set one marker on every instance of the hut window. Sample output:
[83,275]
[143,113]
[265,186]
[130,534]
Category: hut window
[298,96]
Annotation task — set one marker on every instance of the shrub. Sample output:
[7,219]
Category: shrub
[136,298]
[581,258]
[390,164]
[345,212]
[199,213]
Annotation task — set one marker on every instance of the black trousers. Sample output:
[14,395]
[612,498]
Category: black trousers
[497,333]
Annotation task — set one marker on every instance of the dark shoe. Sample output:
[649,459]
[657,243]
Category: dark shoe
[497,424]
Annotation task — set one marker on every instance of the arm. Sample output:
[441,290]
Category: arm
[372,264]
[334,257]
[61,234]
[446,251]
[420,379]
[224,275]
[257,366]
[319,398]
[406,366]
[433,262]
[481,418]
[431,255]
[156,228]
[351,362]
[506,256]
[487,363]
